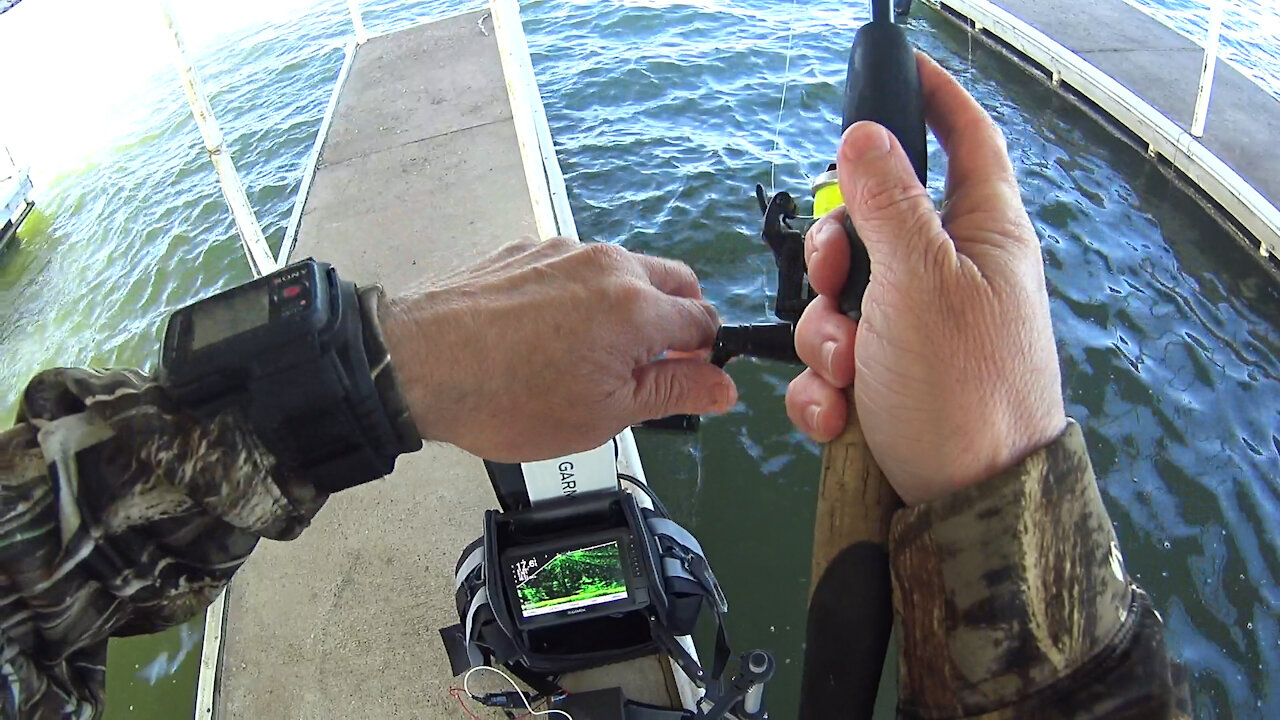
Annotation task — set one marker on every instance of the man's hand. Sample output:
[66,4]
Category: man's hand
[545,349]
[957,372]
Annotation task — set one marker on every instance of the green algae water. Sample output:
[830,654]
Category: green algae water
[665,115]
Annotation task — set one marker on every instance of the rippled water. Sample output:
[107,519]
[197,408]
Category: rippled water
[664,115]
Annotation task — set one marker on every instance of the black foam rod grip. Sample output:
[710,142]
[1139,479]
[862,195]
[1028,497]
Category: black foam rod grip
[883,85]
[846,634]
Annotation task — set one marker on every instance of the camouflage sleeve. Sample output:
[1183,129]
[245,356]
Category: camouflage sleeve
[121,514]
[1012,601]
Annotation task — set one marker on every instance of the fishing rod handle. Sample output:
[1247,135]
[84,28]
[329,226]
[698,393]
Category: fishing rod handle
[883,86]
[851,597]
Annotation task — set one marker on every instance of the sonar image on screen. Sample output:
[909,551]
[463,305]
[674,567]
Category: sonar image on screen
[553,582]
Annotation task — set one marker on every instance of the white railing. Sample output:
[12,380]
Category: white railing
[353,7]
[256,249]
[1201,114]
[255,245]
[1164,137]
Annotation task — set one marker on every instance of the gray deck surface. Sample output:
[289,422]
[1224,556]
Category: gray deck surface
[421,173]
[1163,68]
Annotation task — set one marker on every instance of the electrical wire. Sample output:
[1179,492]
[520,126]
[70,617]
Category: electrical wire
[657,502]
[456,694]
[532,713]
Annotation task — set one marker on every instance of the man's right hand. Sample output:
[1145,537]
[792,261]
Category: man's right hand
[957,371]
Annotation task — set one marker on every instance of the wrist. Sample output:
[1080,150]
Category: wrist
[388,380]
[1015,440]
[415,339]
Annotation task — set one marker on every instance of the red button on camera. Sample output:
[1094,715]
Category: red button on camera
[292,291]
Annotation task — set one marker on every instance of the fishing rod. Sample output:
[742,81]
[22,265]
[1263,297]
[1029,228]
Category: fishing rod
[851,600]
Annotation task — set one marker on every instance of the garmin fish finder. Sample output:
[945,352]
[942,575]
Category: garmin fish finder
[288,351]
[561,582]
[573,573]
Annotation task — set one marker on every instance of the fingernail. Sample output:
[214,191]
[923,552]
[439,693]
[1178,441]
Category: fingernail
[867,140]
[829,355]
[813,414]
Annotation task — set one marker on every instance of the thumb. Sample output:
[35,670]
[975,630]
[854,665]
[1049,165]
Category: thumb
[888,206]
[681,386]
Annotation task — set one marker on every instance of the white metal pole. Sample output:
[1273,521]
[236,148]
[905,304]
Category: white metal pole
[255,245]
[357,22]
[1201,114]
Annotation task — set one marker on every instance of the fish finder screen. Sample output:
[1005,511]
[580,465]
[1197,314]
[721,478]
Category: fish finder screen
[232,314]
[563,580]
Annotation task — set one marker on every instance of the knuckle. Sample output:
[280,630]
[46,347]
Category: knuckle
[605,254]
[887,200]
[997,136]
[704,313]
[517,246]
[664,390]
[921,223]
[508,251]
[712,313]
[683,271]
[632,296]
[560,242]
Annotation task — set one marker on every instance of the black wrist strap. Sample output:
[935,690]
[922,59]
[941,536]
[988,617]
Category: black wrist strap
[293,352]
[339,442]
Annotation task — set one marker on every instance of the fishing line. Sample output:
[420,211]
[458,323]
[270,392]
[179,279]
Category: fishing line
[696,451]
[786,80]
[969,66]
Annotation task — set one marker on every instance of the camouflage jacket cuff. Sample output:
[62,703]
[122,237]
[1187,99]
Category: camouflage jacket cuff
[1007,586]
[384,375]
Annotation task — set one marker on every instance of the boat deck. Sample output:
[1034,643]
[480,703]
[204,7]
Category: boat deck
[431,160]
[1145,77]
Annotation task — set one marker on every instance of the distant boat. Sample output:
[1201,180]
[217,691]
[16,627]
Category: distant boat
[15,196]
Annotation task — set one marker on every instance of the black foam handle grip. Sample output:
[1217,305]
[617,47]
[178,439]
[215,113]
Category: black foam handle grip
[883,85]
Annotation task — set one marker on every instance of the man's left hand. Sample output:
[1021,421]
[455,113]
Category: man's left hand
[550,348]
